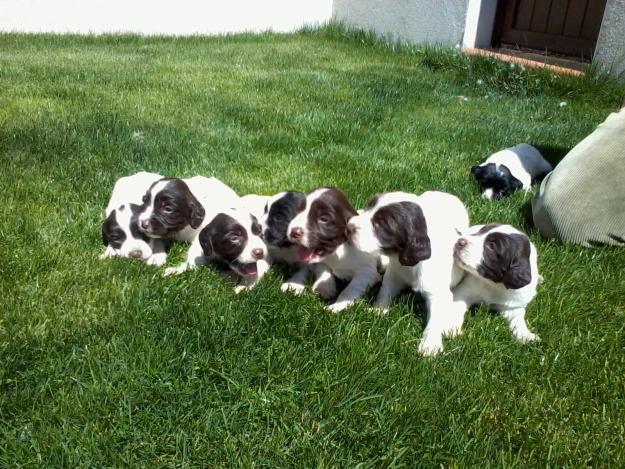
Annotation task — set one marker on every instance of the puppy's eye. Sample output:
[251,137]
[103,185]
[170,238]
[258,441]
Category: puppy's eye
[491,245]
[325,219]
[233,238]
[168,209]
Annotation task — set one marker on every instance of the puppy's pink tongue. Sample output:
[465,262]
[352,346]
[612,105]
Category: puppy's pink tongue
[249,269]
[305,254]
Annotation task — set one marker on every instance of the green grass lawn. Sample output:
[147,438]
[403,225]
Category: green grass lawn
[108,364]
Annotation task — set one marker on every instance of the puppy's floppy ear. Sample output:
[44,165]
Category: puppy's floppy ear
[297,199]
[416,250]
[418,246]
[520,272]
[197,212]
[401,228]
[515,184]
[206,241]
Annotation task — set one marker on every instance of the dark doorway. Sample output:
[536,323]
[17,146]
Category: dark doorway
[568,27]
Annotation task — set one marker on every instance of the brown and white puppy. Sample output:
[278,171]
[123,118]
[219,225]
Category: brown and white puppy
[502,272]
[175,208]
[275,213]
[231,236]
[120,229]
[178,209]
[417,233]
[319,231]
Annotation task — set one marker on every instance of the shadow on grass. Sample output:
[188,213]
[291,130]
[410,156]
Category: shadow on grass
[553,154]
[527,219]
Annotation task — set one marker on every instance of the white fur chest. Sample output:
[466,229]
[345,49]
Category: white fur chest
[498,296]
[346,262]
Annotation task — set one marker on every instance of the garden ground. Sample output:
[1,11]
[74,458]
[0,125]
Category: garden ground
[108,364]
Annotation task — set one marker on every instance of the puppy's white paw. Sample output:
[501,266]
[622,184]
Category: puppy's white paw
[291,287]
[381,310]
[106,254]
[241,288]
[527,338]
[157,259]
[174,270]
[430,348]
[326,290]
[338,307]
[454,331]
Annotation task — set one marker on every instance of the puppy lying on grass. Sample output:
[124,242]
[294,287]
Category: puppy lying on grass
[501,271]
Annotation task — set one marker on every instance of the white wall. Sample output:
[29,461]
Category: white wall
[610,50]
[433,21]
[480,23]
[167,17]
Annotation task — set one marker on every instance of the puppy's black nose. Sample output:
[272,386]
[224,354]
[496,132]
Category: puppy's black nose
[297,233]
[350,230]
[145,224]
[462,242]
[258,254]
[136,253]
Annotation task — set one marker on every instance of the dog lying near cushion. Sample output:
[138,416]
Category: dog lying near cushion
[120,229]
[417,233]
[508,170]
[501,271]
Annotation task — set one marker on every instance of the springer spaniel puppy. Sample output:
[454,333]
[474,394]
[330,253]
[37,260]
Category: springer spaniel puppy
[502,272]
[178,208]
[319,231]
[275,214]
[231,236]
[418,234]
[120,229]
[508,170]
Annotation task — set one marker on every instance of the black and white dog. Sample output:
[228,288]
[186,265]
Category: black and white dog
[508,170]
[178,208]
[120,229]
[502,272]
[320,233]
[274,214]
[418,234]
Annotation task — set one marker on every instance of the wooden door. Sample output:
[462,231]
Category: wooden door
[565,26]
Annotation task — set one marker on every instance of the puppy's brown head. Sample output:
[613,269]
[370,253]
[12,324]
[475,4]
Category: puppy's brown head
[499,253]
[168,207]
[319,229]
